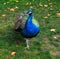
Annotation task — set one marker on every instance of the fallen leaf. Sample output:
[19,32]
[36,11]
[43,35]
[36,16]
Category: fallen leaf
[40,4]
[16,7]
[31,7]
[13,53]
[48,14]
[51,8]
[45,5]
[3,15]
[50,3]
[54,37]
[45,17]
[53,30]
[58,14]
[12,9]
[17,1]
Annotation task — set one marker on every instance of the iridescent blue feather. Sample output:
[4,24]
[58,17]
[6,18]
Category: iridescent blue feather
[30,29]
[27,25]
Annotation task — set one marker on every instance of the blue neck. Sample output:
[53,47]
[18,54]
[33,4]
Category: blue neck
[29,20]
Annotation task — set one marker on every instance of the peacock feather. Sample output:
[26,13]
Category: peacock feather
[31,28]
[35,22]
[27,25]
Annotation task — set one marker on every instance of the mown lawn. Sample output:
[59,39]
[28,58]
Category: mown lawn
[46,45]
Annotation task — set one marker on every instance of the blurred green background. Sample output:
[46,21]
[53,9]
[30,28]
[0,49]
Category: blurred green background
[46,45]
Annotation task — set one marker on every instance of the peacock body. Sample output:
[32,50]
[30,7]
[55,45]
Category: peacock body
[31,28]
[28,26]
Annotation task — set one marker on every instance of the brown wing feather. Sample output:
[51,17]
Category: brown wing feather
[20,21]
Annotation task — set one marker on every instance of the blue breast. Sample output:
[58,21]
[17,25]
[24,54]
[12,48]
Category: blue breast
[31,29]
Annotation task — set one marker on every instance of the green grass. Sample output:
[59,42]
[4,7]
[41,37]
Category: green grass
[43,46]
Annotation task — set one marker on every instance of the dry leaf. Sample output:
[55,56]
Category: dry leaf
[31,7]
[51,8]
[16,7]
[48,14]
[4,15]
[40,4]
[13,53]
[45,17]
[58,14]
[12,9]
[45,5]
[54,37]
[17,1]
[50,3]
[53,30]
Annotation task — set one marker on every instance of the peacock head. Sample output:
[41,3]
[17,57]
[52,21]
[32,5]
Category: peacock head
[29,12]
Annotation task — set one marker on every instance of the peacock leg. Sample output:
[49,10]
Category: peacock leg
[27,43]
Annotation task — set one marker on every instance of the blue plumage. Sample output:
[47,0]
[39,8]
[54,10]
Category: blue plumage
[29,27]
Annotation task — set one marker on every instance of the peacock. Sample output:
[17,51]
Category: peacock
[27,25]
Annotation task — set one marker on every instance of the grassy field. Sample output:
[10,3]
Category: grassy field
[46,45]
